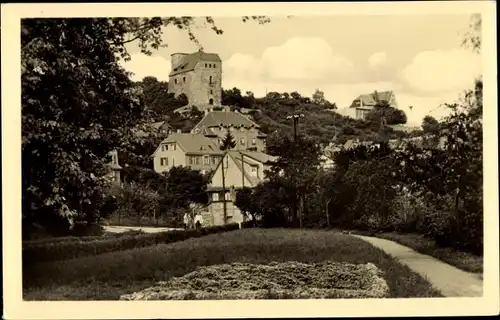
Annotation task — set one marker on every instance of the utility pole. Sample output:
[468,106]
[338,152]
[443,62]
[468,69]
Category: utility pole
[328,213]
[296,118]
[242,171]
[224,205]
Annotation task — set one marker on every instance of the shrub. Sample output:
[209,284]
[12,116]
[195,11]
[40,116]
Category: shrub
[76,247]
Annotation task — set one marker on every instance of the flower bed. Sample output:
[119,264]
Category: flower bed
[287,280]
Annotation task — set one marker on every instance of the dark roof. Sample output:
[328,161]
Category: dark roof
[189,62]
[258,156]
[159,124]
[193,143]
[224,118]
[369,99]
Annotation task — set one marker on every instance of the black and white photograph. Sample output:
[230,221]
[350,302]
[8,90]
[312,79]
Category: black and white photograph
[173,152]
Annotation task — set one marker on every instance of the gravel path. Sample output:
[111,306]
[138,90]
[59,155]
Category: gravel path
[119,229]
[451,281]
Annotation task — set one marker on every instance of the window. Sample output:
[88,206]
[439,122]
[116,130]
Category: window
[173,146]
[214,65]
[254,170]
[205,65]
[206,160]
[211,91]
[215,196]
[175,81]
[210,79]
[228,196]
[198,160]
[164,161]
[184,79]
[242,141]
[192,160]
[215,160]
[254,142]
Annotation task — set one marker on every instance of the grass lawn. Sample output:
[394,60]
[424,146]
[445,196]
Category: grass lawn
[107,276]
[462,260]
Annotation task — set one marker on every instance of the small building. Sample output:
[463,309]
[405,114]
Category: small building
[114,169]
[241,169]
[161,128]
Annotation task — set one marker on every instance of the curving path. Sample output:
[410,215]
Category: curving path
[451,281]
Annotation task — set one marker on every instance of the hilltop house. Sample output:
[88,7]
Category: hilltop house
[247,135]
[195,151]
[363,104]
[198,75]
[241,169]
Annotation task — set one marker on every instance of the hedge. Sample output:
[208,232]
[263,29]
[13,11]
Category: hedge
[70,249]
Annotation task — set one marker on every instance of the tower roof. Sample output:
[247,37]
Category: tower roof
[189,61]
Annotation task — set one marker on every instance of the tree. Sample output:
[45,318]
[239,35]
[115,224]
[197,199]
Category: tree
[247,203]
[89,109]
[295,169]
[185,186]
[430,124]
[228,142]
[318,98]
[383,114]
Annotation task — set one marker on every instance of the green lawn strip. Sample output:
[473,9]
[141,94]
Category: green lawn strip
[109,275]
[462,260]
[72,249]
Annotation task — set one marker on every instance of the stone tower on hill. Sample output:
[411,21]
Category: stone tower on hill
[198,75]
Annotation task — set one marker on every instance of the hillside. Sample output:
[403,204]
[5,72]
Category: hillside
[270,112]
[320,119]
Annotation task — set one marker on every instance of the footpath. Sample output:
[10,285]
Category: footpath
[449,280]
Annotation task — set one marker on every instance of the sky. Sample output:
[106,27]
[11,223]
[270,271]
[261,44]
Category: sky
[419,57]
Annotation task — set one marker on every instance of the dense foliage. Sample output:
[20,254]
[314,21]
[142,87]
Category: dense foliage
[434,188]
[90,108]
[152,198]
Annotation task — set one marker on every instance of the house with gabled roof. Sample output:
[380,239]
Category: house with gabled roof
[247,134]
[186,149]
[241,169]
[161,128]
[364,103]
[198,75]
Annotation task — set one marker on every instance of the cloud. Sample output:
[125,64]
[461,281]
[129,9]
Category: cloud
[377,59]
[298,59]
[425,105]
[442,71]
[142,66]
